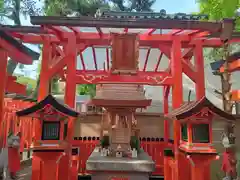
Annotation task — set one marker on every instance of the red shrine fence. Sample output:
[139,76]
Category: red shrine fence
[153,146]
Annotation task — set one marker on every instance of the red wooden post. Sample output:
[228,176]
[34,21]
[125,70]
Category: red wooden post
[165,111]
[42,93]
[70,94]
[199,65]
[70,91]
[177,95]
[200,84]
[3,75]
[167,169]
[44,80]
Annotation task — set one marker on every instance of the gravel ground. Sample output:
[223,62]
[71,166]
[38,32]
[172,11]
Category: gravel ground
[25,173]
[26,170]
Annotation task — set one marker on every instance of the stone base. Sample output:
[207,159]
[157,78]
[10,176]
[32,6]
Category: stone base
[113,168]
[142,164]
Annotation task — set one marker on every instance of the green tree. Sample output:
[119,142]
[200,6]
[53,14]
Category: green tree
[87,89]
[1,5]
[30,83]
[12,9]
[217,10]
[54,86]
[76,7]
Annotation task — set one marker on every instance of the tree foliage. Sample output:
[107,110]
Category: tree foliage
[12,10]
[87,89]
[219,9]
[137,5]
[74,7]
[1,5]
[89,7]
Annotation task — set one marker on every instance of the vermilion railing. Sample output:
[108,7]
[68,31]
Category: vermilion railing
[153,146]
[12,123]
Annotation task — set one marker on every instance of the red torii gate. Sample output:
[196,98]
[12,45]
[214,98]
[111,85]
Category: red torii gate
[10,47]
[52,35]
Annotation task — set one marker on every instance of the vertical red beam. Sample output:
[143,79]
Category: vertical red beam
[94,58]
[42,93]
[158,62]
[166,90]
[70,92]
[82,60]
[199,66]
[177,95]
[44,80]
[177,88]
[146,60]
[69,98]
[108,61]
[71,52]
[200,85]
[4,126]
[3,75]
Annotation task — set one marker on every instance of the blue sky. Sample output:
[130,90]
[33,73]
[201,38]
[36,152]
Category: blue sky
[176,6]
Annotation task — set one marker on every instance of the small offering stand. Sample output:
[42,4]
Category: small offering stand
[196,135]
[52,140]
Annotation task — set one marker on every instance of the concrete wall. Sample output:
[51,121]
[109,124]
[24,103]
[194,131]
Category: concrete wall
[152,126]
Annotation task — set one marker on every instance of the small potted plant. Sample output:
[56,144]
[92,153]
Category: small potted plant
[135,143]
[104,142]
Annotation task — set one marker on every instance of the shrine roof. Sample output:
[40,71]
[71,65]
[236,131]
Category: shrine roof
[105,21]
[20,47]
[19,97]
[115,22]
[15,96]
[49,100]
[22,29]
[191,108]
